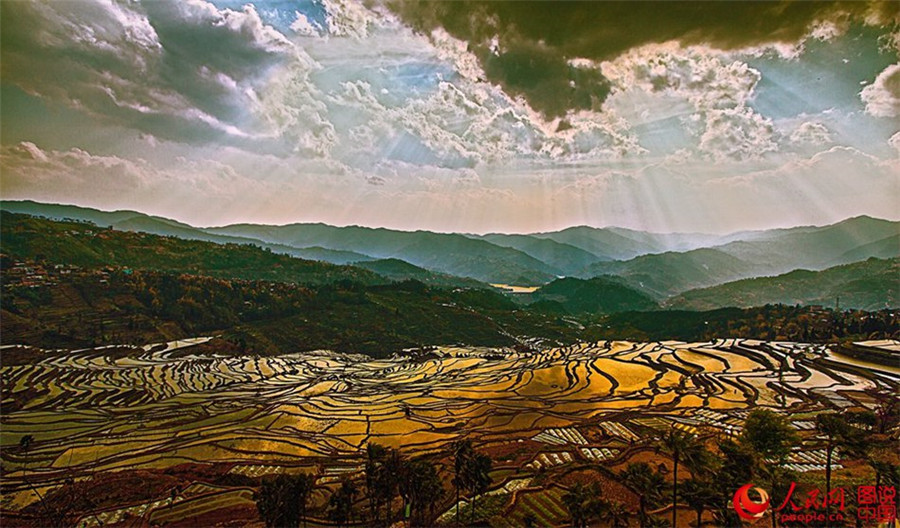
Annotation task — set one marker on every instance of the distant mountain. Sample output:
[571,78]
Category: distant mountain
[884,249]
[665,274]
[659,264]
[140,222]
[597,295]
[77,243]
[399,270]
[816,248]
[870,285]
[757,254]
[447,253]
[605,243]
[618,243]
[566,258]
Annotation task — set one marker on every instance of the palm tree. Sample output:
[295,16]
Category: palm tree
[887,408]
[340,504]
[615,513]
[529,520]
[699,493]
[462,452]
[389,480]
[646,482]
[375,454]
[478,477]
[304,486]
[771,437]
[276,502]
[684,447]
[737,463]
[837,433]
[421,487]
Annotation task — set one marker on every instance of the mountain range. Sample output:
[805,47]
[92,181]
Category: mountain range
[663,267]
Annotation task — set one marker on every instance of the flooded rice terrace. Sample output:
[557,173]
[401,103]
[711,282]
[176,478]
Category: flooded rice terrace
[125,410]
[117,407]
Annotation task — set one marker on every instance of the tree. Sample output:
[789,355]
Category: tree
[646,482]
[837,432]
[304,485]
[388,481]
[478,477]
[771,437]
[529,520]
[277,502]
[340,504]
[375,454]
[737,467]
[615,513]
[699,494]
[887,408]
[577,502]
[421,488]
[462,452]
[681,447]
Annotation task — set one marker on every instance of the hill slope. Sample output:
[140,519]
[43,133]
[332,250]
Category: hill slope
[816,248]
[665,274]
[400,270]
[448,253]
[870,285]
[597,295]
[86,245]
[566,258]
[140,222]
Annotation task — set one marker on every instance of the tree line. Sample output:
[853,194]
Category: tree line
[393,487]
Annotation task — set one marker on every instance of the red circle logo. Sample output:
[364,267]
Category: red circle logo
[747,508]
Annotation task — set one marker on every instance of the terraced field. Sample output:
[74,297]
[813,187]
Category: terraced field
[158,406]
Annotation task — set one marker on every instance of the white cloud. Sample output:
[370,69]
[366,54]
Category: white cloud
[894,141]
[348,18]
[882,97]
[737,133]
[718,88]
[811,132]
[302,26]
[177,69]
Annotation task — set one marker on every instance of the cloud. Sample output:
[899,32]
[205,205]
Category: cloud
[882,97]
[528,50]
[718,88]
[28,169]
[302,26]
[76,175]
[811,132]
[181,70]
[737,133]
[347,18]
[894,141]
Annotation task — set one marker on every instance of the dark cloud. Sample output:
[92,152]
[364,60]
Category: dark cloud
[526,45]
[174,69]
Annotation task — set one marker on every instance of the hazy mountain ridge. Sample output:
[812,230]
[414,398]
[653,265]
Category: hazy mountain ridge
[664,274]
[400,270]
[869,285]
[784,250]
[566,258]
[659,265]
[454,254]
[76,243]
[155,225]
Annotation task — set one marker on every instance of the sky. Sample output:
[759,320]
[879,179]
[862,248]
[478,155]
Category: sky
[455,116]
